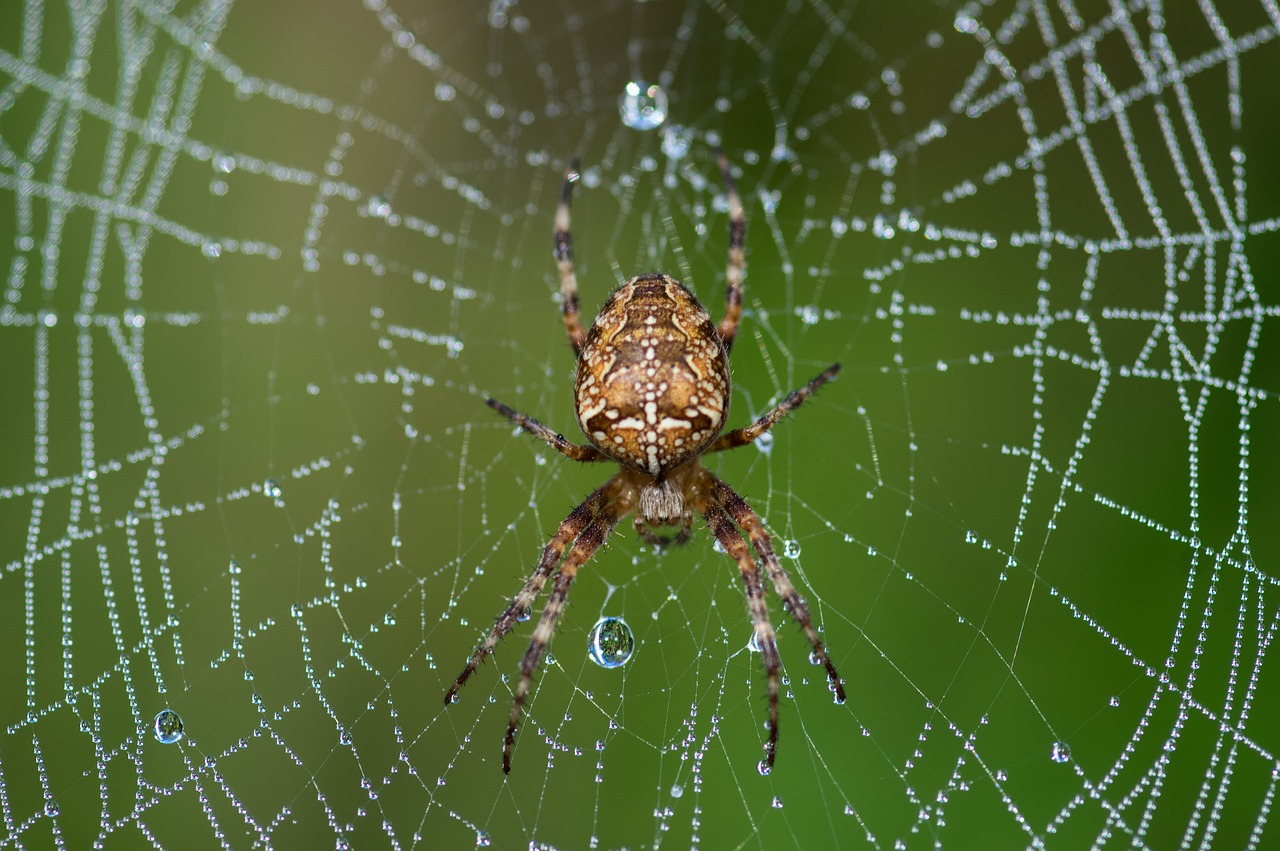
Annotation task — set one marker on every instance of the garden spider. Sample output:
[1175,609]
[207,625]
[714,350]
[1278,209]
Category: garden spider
[652,394]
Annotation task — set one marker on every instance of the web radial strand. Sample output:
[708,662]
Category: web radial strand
[255,513]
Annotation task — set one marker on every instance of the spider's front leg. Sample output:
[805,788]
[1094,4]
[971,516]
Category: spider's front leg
[595,534]
[569,530]
[729,537]
[750,521]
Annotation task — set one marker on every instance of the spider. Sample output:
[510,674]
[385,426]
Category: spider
[652,394]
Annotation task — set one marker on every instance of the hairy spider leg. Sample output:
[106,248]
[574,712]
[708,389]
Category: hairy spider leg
[595,534]
[654,539]
[557,441]
[737,241]
[745,517]
[569,530]
[747,434]
[729,537]
[564,259]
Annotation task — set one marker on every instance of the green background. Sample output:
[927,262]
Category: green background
[295,246]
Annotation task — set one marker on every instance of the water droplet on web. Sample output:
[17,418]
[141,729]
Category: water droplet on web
[1061,752]
[445,92]
[643,106]
[610,643]
[753,643]
[776,803]
[764,768]
[482,839]
[523,615]
[271,488]
[167,727]
[764,442]
[1114,701]
[1002,775]
[677,790]
[814,658]
[234,568]
[791,549]
[676,141]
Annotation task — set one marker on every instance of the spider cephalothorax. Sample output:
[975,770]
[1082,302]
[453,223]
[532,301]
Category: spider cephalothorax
[652,394]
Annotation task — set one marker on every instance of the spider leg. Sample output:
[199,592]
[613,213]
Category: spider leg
[747,434]
[729,537]
[653,538]
[734,271]
[570,528]
[557,441]
[564,259]
[742,514]
[595,534]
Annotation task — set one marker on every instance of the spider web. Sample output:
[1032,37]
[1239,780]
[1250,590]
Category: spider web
[266,265]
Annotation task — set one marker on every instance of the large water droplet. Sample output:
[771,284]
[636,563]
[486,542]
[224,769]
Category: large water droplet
[643,106]
[1061,752]
[610,643]
[167,727]
[791,549]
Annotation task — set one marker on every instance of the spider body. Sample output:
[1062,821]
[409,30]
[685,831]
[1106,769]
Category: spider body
[652,394]
[653,377]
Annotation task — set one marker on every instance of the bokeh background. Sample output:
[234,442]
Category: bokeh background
[265,261]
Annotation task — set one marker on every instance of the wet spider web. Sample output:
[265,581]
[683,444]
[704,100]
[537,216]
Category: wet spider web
[266,265]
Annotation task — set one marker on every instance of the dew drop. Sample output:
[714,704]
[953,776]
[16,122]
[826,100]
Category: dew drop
[677,790]
[1114,701]
[610,643]
[776,803]
[643,106]
[791,549]
[753,643]
[482,839]
[676,141]
[1061,752]
[167,727]
[764,443]
[764,768]
[271,488]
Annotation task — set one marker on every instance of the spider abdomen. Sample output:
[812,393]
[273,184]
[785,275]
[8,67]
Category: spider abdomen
[653,376]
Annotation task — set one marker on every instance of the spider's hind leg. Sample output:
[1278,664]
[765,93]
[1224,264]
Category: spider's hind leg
[564,260]
[748,434]
[737,254]
[553,439]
